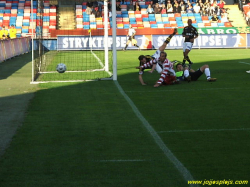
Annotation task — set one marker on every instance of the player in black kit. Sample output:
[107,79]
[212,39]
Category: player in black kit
[190,33]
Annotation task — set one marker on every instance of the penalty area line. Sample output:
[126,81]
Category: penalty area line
[244,63]
[180,167]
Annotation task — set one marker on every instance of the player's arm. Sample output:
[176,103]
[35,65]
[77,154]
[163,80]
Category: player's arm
[141,79]
[196,34]
[152,69]
[184,33]
[153,62]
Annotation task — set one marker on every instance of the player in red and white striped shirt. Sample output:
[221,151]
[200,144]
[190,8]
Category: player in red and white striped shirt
[167,69]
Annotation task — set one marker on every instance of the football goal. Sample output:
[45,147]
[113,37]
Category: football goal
[87,57]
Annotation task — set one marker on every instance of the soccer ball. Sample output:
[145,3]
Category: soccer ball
[61,68]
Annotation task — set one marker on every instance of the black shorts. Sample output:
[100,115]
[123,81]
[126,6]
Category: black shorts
[195,75]
[131,37]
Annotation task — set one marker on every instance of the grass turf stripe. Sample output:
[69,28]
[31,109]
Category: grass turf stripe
[180,167]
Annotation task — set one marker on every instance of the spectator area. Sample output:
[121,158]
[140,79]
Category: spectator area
[141,19]
[18,13]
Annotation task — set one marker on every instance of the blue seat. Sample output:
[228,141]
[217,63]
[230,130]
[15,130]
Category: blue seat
[132,19]
[190,14]
[86,26]
[221,25]
[178,18]
[151,15]
[199,21]
[125,12]
[164,15]
[159,22]
[125,15]
[198,18]
[119,16]
[26,23]
[151,18]
[126,26]
[166,22]
[25,30]
[145,19]
[154,26]
[195,25]
[180,24]
[184,15]
[85,19]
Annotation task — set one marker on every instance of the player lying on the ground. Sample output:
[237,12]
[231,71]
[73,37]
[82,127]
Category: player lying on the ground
[153,62]
[162,65]
[186,74]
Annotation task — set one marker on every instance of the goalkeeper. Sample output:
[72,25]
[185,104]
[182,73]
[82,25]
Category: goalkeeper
[153,62]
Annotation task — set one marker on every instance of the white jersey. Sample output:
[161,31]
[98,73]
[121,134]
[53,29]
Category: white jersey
[157,54]
[131,32]
[166,64]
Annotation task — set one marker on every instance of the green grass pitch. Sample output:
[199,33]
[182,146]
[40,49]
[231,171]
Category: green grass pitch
[86,134]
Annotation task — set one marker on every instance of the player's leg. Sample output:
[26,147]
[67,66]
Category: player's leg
[187,47]
[165,43]
[205,69]
[186,74]
[129,40]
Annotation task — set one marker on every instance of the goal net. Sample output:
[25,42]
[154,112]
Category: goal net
[87,56]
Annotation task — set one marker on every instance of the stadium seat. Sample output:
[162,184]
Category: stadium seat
[154,26]
[207,24]
[228,24]
[221,25]
[167,25]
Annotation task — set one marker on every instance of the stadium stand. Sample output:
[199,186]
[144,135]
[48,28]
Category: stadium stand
[19,14]
[54,16]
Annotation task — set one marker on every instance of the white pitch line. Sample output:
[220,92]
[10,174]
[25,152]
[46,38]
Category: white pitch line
[244,63]
[205,130]
[180,167]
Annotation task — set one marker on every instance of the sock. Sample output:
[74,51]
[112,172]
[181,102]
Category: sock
[207,73]
[168,39]
[186,73]
[136,45]
[184,60]
[188,59]
[126,47]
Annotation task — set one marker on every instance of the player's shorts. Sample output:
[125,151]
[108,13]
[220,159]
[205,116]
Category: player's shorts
[134,41]
[187,45]
[195,75]
[156,54]
[158,68]
[131,38]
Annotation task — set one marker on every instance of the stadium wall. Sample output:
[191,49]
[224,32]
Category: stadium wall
[239,40]
[14,47]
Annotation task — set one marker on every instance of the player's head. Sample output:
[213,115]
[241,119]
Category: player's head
[189,22]
[3,27]
[179,67]
[163,56]
[142,59]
